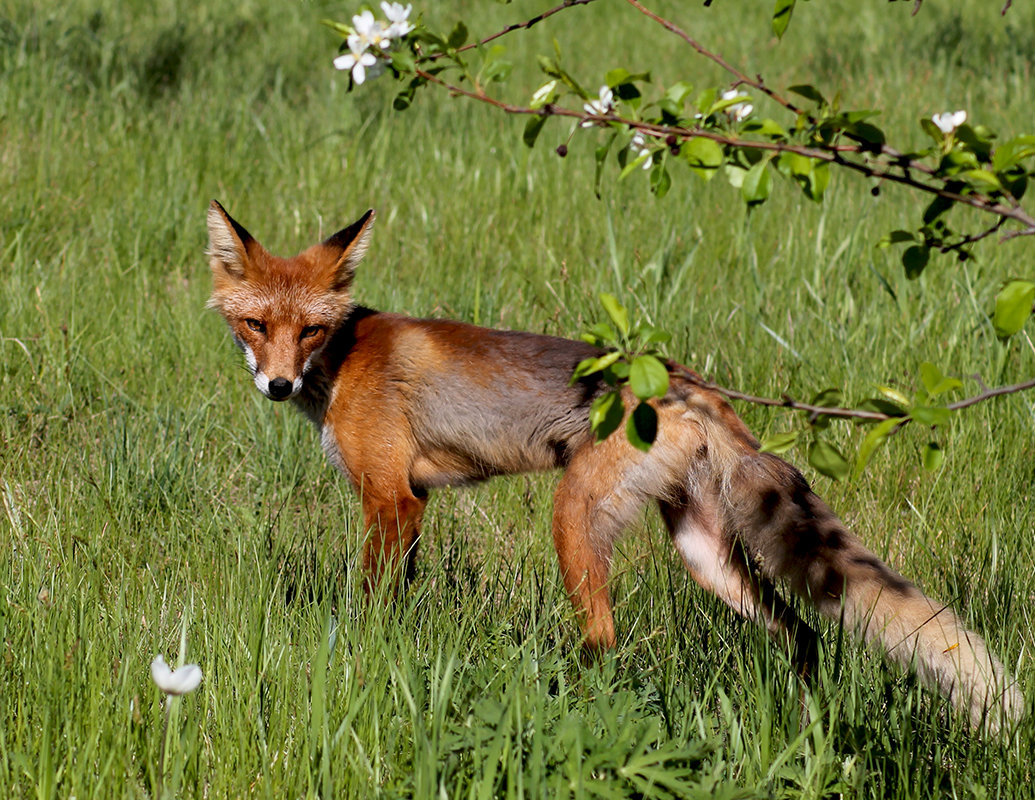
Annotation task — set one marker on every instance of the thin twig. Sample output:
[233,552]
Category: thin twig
[974,237]
[518,26]
[836,411]
[742,77]
[783,402]
[989,393]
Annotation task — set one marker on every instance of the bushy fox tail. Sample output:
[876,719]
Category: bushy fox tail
[795,538]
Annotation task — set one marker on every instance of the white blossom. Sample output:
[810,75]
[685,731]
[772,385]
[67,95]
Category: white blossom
[399,17]
[737,111]
[370,31]
[949,121]
[175,681]
[357,59]
[639,147]
[601,107]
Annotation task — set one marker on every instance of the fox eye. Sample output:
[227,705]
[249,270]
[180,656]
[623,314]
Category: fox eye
[255,325]
[310,331]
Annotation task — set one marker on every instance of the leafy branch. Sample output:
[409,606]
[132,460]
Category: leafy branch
[717,130]
[631,358]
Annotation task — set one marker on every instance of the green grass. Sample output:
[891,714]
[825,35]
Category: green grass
[147,491]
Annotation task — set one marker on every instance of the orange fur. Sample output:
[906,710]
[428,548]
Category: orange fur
[407,405]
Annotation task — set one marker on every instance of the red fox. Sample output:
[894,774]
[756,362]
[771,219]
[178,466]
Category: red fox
[406,405]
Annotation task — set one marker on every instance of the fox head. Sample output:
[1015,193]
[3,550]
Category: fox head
[282,311]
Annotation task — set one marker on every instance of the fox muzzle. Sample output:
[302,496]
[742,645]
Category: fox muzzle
[280,389]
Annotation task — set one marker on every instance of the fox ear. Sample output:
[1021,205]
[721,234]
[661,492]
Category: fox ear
[347,247]
[228,243]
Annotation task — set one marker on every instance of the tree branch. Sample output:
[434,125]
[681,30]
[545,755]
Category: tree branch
[836,411]
[829,153]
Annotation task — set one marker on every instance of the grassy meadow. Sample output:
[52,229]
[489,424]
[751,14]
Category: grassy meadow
[151,501]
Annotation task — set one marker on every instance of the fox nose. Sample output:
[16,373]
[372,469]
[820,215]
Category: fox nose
[280,388]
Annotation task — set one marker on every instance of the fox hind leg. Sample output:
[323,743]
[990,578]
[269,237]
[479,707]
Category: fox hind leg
[582,535]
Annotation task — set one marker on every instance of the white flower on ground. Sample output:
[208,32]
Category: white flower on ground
[175,681]
[357,59]
[399,17]
[602,106]
[949,121]
[370,31]
[639,147]
[737,111]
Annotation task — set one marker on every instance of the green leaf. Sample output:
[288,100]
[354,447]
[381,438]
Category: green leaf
[982,180]
[735,175]
[605,415]
[648,377]
[618,313]
[601,156]
[1013,306]
[933,456]
[894,395]
[532,130]
[932,130]
[757,183]
[677,92]
[781,16]
[340,27]
[628,93]
[779,443]
[652,335]
[403,100]
[882,406]
[553,69]
[930,415]
[705,100]
[600,333]
[826,459]
[868,132]
[808,92]
[633,165]
[816,184]
[722,104]
[403,61]
[549,66]
[660,180]
[935,382]
[546,93]
[873,440]
[936,208]
[831,397]
[765,127]
[914,259]
[429,37]
[896,237]
[704,156]
[618,77]
[1012,152]
[642,427]
[458,35]
[590,365]
[977,138]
